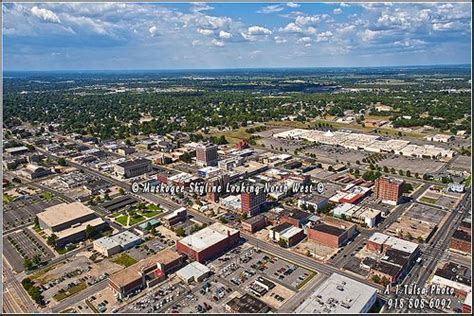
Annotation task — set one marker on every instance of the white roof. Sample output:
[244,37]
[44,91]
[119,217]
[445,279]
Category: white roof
[208,236]
[15,149]
[394,242]
[192,270]
[338,295]
[290,232]
[61,213]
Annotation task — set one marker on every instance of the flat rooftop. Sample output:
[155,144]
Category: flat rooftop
[79,228]
[338,295]
[208,236]
[62,213]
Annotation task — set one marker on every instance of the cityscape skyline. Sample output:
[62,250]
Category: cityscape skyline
[134,36]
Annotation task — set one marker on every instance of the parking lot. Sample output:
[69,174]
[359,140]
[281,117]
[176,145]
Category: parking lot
[158,300]
[415,165]
[148,248]
[240,265]
[23,210]
[328,153]
[208,297]
[24,244]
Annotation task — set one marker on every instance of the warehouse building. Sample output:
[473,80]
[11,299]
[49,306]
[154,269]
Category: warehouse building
[209,242]
[108,246]
[286,234]
[246,304]
[193,272]
[455,276]
[339,295]
[175,217]
[255,223]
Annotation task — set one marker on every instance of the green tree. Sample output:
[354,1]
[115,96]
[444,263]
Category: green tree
[180,232]
[51,241]
[62,162]
[89,232]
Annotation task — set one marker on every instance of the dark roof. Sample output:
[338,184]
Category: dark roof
[455,272]
[462,235]
[254,219]
[328,229]
[299,215]
[119,203]
[248,304]
[314,197]
[131,163]
[397,257]
[281,227]
[387,268]
[368,261]
[465,225]
[98,184]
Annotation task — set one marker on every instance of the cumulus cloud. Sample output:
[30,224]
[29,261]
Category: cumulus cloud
[271,9]
[200,6]
[279,40]
[205,32]
[225,35]
[293,5]
[337,11]
[217,43]
[324,36]
[255,33]
[45,15]
[153,30]
[304,40]
[291,28]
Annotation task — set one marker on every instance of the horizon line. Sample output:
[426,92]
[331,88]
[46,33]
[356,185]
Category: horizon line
[241,68]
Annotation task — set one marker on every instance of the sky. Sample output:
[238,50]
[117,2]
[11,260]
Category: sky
[128,36]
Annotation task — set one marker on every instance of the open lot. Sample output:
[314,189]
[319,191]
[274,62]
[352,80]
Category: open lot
[24,244]
[462,163]
[415,165]
[316,250]
[440,198]
[23,210]
[73,275]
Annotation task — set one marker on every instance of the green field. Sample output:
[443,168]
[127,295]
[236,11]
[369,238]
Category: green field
[428,200]
[71,291]
[124,260]
[122,220]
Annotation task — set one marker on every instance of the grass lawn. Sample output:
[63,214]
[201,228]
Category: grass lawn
[428,200]
[136,219]
[153,207]
[151,213]
[71,291]
[125,260]
[309,278]
[7,199]
[122,220]
[47,195]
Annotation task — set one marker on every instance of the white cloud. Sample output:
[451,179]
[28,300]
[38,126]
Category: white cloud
[271,9]
[217,43]
[304,40]
[196,42]
[449,26]
[153,30]
[310,19]
[205,32]
[200,6]
[344,5]
[45,15]
[324,36]
[337,11]
[369,35]
[293,5]
[258,30]
[279,40]
[291,28]
[224,34]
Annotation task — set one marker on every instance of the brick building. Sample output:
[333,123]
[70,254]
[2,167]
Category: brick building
[208,243]
[388,190]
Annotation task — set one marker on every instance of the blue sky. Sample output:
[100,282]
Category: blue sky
[95,36]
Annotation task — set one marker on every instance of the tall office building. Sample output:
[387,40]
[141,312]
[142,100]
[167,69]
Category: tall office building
[250,202]
[206,154]
[388,190]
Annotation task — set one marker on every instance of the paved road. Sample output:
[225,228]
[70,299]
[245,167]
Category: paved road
[15,298]
[438,245]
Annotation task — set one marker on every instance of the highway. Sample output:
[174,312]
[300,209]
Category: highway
[15,298]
